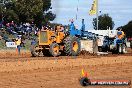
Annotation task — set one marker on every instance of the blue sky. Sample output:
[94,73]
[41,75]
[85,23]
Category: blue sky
[119,10]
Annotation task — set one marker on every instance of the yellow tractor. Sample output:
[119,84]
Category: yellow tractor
[56,42]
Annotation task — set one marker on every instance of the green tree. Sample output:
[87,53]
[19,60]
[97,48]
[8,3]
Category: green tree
[128,29]
[27,11]
[1,13]
[34,10]
[104,22]
[10,15]
[46,5]
[47,15]
[2,9]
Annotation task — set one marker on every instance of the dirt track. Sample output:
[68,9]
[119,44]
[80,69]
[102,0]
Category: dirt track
[61,72]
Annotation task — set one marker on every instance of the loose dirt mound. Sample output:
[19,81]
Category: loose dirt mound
[84,53]
[8,54]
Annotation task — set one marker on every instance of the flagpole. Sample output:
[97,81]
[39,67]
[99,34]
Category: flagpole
[77,10]
[97,14]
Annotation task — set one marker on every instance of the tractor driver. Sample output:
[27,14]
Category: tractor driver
[120,35]
[72,26]
[59,28]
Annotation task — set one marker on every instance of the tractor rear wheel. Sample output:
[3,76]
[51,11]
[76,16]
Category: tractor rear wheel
[72,46]
[54,49]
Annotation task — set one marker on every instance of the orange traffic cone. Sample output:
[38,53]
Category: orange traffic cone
[84,74]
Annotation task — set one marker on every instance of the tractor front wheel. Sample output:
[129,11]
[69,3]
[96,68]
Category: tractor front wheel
[35,51]
[54,49]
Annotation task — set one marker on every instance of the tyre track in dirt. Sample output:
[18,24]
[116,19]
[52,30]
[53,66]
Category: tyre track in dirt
[11,56]
[20,58]
[60,63]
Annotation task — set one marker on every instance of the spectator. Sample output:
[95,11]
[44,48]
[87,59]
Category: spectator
[8,25]
[18,43]
[120,35]
[33,43]
[36,30]
[32,24]
[1,24]
[22,41]
[12,24]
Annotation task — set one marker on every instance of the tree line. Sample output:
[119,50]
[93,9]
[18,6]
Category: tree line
[37,11]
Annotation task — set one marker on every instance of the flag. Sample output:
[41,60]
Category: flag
[93,8]
[84,74]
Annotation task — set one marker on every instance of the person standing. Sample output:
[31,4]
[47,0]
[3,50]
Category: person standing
[120,35]
[33,43]
[18,43]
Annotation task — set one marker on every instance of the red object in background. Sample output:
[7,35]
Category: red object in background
[129,39]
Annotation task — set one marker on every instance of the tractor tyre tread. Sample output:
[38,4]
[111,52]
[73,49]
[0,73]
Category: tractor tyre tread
[33,50]
[51,50]
[68,45]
